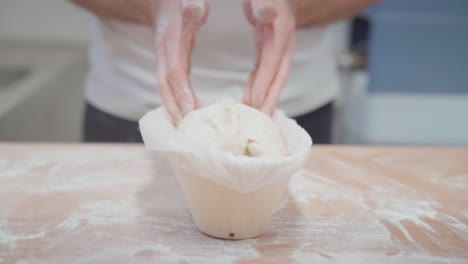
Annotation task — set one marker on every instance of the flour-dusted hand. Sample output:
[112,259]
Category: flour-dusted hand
[275,37]
[176,22]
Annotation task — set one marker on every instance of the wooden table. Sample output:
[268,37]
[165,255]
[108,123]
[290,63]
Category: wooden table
[113,204]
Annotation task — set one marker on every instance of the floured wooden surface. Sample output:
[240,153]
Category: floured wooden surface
[111,203]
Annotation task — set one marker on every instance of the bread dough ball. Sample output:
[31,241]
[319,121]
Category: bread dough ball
[234,127]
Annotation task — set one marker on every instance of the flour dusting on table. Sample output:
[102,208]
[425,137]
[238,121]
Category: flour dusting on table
[112,204]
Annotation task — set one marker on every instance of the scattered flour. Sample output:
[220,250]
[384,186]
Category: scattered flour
[333,211]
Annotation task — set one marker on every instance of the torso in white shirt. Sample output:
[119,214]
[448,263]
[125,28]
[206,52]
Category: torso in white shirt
[122,77]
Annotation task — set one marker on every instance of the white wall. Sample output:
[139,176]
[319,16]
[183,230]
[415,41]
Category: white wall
[43,20]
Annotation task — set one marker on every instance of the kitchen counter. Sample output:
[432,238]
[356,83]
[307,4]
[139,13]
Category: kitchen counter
[33,74]
[73,203]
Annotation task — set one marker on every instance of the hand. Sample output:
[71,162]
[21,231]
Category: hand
[275,37]
[176,23]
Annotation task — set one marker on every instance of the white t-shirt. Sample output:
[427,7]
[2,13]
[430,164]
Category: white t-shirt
[122,77]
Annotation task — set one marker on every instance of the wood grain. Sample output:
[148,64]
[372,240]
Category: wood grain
[77,203]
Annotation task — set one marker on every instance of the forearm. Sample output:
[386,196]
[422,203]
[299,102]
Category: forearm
[134,11]
[315,13]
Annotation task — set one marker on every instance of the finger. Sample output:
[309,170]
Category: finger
[194,12]
[280,80]
[247,98]
[163,86]
[194,15]
[247,5]
[188,70]
[179,44]
[264,11]
[253,18]
[177,77]
[175,68]
[168,99]
[192,24]
[272,51]
[181,90]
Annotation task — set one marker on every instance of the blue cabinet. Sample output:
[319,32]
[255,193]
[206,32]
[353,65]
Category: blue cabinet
[419,47]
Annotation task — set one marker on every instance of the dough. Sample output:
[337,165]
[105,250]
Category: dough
[234,127]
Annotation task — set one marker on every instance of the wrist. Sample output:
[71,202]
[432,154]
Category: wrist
[311,13]
[147,14]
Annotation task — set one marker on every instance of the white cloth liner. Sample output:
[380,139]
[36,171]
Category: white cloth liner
[241,173]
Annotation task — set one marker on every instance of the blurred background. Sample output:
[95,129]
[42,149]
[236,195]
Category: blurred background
[403,67]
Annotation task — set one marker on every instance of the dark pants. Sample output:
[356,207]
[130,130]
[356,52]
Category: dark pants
[103,127]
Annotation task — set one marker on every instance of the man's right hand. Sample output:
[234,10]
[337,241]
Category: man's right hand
[175,23]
